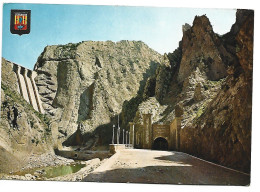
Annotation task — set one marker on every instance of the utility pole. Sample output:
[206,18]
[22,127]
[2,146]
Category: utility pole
[123,136]
[113,142]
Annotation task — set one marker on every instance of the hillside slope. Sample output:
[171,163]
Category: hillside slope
[23,131]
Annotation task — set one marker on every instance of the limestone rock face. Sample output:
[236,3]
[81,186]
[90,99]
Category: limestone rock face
[185,27]
[241,17]
[164,74]
[210,77]
[201,45]
[84,85]
[23,131]
[151,106]
[178,110]
[244,40]
[198,96]
[8,76]
[186,78]
[222,133]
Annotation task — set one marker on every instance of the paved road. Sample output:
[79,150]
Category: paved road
[147,166]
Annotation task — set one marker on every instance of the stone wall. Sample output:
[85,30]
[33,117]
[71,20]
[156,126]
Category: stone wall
[144,135]
[138,134]
[147,131]
[175,128]
[161,131]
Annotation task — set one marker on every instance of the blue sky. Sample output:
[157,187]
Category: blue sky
[159,28]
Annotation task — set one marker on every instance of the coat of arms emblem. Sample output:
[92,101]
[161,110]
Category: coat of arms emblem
[20,21]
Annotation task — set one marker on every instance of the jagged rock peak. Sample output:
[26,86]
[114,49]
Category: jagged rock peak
[241,16]
[202,22]
[185,27]
[203,49]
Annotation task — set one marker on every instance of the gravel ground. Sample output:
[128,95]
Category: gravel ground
[47,160]
[164,167]
[38,161]
[142,166]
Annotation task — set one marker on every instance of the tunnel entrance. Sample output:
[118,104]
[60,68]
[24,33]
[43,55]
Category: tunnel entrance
[160,144]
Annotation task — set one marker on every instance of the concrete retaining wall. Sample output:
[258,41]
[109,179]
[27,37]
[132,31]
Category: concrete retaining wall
[27,87]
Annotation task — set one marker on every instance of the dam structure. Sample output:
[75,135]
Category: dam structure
[27,87]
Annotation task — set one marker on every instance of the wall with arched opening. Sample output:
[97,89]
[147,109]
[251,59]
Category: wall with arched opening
[160,143]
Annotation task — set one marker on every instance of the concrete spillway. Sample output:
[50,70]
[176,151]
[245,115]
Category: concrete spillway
[27,87]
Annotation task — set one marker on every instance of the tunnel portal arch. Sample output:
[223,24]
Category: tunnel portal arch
[160,143]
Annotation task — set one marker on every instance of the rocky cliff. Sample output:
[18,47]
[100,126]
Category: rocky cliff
[190,76]
[83,86]
[23,131]
[222,133]
[210,77]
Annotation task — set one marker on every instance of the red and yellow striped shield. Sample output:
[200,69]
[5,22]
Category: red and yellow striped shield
[20,21]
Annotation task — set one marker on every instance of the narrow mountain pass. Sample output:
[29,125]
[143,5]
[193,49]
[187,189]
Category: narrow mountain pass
[164,167]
